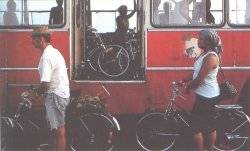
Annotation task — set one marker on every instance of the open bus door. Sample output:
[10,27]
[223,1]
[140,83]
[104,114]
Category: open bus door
[78,21]
[94,34]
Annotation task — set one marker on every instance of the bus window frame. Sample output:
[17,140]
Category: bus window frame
[38,25]
[191,26]
[243,26]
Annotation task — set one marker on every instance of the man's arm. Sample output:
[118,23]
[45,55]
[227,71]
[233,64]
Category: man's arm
[133,12]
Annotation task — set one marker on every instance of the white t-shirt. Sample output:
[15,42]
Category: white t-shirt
[210,87]
[52,68]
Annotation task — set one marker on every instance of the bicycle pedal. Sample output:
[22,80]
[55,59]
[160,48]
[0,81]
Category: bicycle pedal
[92,138]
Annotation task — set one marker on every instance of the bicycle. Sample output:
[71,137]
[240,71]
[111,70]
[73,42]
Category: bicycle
[132,46]
[110,60]
[20,127]
[159,130]
[89,130]
[90,127]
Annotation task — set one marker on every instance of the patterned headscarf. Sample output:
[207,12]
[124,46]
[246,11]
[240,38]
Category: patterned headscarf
[213,37]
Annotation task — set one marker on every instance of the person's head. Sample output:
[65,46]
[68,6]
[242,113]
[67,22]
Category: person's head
[41,37]
[123,10]
[59,2]
[156,4]
[11,6]
[166,7]
[209,40]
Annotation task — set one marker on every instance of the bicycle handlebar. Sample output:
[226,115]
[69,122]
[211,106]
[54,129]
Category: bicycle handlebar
[175,87]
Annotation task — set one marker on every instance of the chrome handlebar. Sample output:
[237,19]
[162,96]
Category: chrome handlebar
[175,90]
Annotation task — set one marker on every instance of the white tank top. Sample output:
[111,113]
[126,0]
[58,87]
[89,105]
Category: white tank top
[210,87]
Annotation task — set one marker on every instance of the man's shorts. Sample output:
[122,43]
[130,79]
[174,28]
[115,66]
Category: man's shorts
[55,110]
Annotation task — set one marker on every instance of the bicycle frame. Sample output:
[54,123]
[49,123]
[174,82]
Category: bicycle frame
[171,109]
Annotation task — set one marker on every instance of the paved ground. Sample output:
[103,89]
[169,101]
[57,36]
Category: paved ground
[127,141]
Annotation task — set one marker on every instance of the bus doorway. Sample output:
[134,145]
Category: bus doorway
[100,54]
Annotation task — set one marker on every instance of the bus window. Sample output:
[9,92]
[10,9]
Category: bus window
[187,12]
[31,12]
[104,16]
[239,12]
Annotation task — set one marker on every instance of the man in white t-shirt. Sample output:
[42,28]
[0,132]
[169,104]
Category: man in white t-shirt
[54,83]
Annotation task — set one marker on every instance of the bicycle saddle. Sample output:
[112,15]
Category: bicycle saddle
[228,107]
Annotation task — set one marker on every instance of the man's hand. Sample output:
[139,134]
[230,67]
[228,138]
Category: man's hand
[31,94]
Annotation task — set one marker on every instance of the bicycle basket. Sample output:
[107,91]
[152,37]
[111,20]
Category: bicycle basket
[91,104]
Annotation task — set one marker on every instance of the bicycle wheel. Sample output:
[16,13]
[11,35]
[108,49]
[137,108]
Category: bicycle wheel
[156,133]
[232,131]
[114,61]
[95,131]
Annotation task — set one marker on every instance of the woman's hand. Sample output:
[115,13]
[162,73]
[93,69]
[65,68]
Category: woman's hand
[188,89]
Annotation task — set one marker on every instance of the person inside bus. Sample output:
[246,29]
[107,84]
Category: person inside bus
[54,84]
[164,17]
[180,14]
[209,16]
[122,23]
[56,13]
[201,13]
[156,4]
[9,17]
[204,83]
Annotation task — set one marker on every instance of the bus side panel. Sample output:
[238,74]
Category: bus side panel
[241,46]
[166,48]
[22,54]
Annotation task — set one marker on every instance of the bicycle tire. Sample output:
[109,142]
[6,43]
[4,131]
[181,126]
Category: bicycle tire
[237,122]
[95,131]
[147,128]
[114,61]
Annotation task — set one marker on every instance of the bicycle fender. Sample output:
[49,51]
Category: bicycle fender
[117,126]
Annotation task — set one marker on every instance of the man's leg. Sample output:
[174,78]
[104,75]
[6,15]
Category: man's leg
[211,140]
[198,138]
[60,139]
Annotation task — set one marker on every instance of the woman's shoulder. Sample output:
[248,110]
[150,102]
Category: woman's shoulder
[211,56]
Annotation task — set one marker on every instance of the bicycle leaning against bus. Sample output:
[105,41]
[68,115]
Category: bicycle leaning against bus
[91,130]
[160,130]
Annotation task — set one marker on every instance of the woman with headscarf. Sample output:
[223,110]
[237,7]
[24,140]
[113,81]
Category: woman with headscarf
[204,83]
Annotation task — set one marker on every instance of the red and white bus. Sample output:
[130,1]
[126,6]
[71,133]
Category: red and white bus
[160,53]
